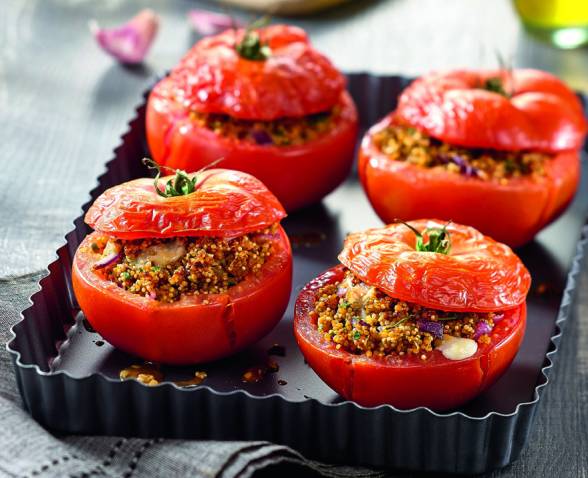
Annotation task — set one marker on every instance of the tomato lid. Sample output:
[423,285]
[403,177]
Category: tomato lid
[478,274]
[225,203]
[505,110]
[293,81]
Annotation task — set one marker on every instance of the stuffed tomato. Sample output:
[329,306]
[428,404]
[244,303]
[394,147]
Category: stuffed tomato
[498,150]
[419,314]
[186,274]
[264,100]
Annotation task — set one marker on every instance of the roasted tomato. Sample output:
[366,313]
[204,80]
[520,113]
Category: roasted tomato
[266,102]
[423,314]
[496,150]
[191,274]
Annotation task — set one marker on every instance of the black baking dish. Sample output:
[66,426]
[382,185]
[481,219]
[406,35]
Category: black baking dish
[69,381]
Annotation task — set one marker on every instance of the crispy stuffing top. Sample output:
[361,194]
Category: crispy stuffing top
[165,269]
[363,320]
[403,143]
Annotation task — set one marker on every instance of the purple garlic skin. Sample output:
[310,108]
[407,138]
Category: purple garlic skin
[128,43]
[207,23]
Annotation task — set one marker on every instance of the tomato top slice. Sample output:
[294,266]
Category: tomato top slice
[538,112]
[478,274]
[294,81]
[225,203]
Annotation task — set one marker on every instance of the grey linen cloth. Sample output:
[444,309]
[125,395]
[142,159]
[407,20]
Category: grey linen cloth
[28,450]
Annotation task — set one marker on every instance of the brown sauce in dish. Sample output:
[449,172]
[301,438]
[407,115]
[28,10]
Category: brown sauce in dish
[254,374]
[272,367]
[257,373]
[199,377]
[147,373]
[150,374]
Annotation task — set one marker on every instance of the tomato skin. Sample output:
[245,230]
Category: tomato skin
[225,204]
[511,213]
[541,113]
[408,382]
[477,275]
[298,175]
[187,331]
[294,81]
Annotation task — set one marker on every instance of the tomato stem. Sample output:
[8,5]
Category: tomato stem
[439,239]
[251,46]
[181,184]
[496,84]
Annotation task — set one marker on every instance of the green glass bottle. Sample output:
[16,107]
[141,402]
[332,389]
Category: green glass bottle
[563,23]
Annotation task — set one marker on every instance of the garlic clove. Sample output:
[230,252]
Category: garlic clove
[128,43]
[205,22]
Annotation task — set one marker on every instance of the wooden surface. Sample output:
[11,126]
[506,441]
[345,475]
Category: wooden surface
[63,105]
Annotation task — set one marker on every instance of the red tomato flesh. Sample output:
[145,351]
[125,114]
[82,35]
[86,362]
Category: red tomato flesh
[298,175]
[189,330]
[511,213]
[405,382]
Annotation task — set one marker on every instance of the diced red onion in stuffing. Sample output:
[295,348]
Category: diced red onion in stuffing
[152,295]
[482,328]
[262,137]
[464,167]
[498,316]
[107,260]
[268,236]
[211,23]
[128,43]
[341,291]
[434,328]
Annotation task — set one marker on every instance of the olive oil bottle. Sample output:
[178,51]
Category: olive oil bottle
[563,23]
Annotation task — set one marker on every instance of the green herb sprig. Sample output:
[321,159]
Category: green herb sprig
[251,47]
[439,239]
[181,184]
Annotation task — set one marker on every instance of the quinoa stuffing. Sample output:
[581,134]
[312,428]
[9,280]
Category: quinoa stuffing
[361,319]
[166,269]
[280,132]
[403,143]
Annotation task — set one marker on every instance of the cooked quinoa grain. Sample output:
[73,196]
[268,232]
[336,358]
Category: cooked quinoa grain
[403,143]
[280,132]
[363,320]
[165,269]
